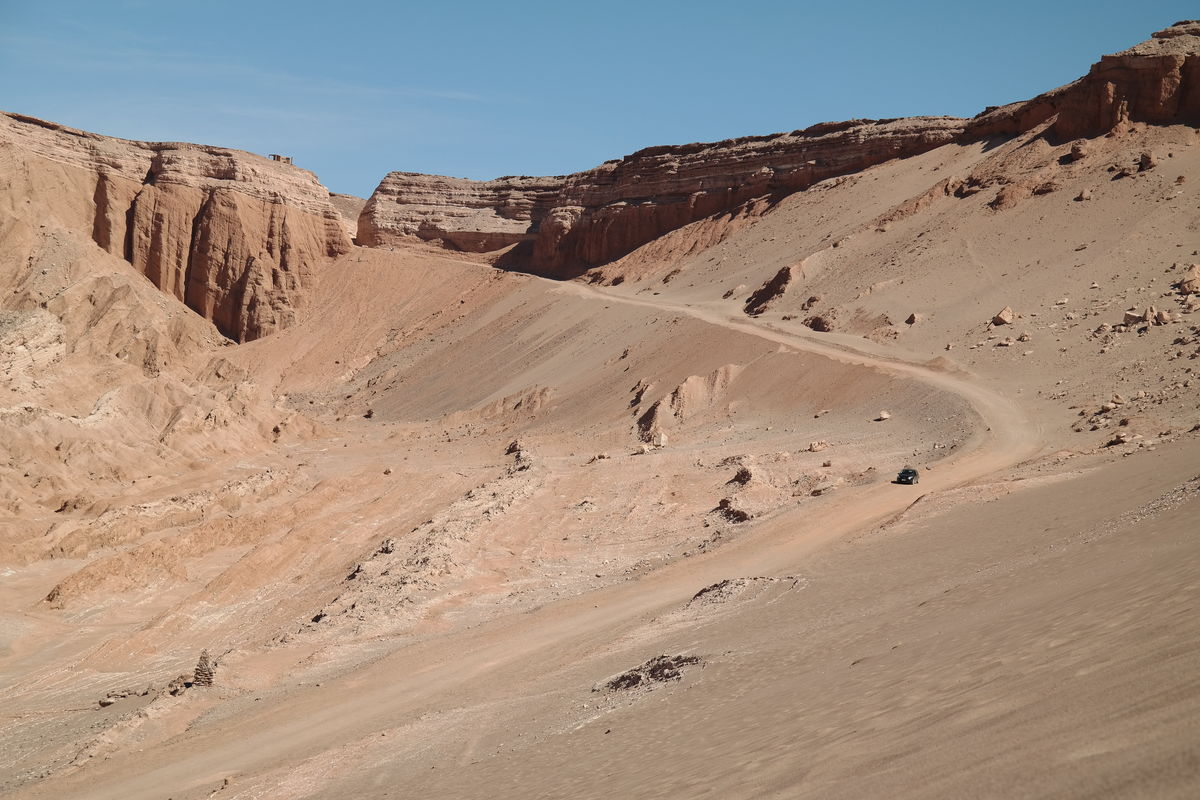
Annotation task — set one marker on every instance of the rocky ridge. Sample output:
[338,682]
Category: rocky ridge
[1155,82]
[561,226]
[235,236]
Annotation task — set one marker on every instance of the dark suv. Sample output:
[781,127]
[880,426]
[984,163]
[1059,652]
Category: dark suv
[908,475]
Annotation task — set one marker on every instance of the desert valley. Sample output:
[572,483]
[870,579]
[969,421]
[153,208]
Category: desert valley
[584,486]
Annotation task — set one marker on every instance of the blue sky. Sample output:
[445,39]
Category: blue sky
[482,89]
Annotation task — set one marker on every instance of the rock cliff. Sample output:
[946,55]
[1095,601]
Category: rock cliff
[564,225]
[1156,82]
[235,236]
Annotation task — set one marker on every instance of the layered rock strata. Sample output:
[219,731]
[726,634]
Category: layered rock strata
[235,236]
[1156,82]
[564,225]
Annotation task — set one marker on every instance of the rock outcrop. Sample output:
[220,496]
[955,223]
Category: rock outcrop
[233,235]
[561,226]
[460,214]
[1155,82]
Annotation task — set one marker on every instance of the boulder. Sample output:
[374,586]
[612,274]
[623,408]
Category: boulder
[822,323]
[1004,316]
[1189,283]
[1133,317]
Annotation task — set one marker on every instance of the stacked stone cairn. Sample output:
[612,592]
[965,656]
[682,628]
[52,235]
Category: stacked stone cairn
[204,670]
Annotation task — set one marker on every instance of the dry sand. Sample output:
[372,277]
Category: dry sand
[401,604]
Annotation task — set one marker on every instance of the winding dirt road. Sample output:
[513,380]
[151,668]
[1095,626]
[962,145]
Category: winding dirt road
[492,661]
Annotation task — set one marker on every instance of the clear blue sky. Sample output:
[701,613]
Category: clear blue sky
[482,89]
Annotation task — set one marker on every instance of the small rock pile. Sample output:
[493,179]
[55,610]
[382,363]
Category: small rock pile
[204,670]
[660,669]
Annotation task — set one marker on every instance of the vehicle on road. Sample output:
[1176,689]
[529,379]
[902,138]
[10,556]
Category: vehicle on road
[909,476]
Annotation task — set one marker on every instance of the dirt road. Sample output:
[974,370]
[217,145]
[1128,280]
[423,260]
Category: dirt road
[491,662]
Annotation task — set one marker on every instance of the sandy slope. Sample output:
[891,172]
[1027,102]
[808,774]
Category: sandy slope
[421,529]
[283,729]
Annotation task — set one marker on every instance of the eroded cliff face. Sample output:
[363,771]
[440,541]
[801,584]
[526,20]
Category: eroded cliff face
[235,236]
[1156,82]
[563,225]
[461,214]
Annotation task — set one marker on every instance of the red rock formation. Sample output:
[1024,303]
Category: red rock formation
[565,225]
[234,235]
[1155,82]
[561,226]
[473,216]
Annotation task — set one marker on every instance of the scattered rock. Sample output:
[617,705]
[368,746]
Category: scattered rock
[1121,438]
[826,486]
[914,318]
[1010,195]
[743,477]
[816,447]
[773,289]
[1147,161]
[1189,283]
[822,323]
[1085,194]
[729,511]
[1134,317]
[1004,316]
[660,669]
[178,686]
[883,415]
[660,439]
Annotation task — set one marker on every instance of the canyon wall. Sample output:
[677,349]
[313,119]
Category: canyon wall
[235,236]
[561,226]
